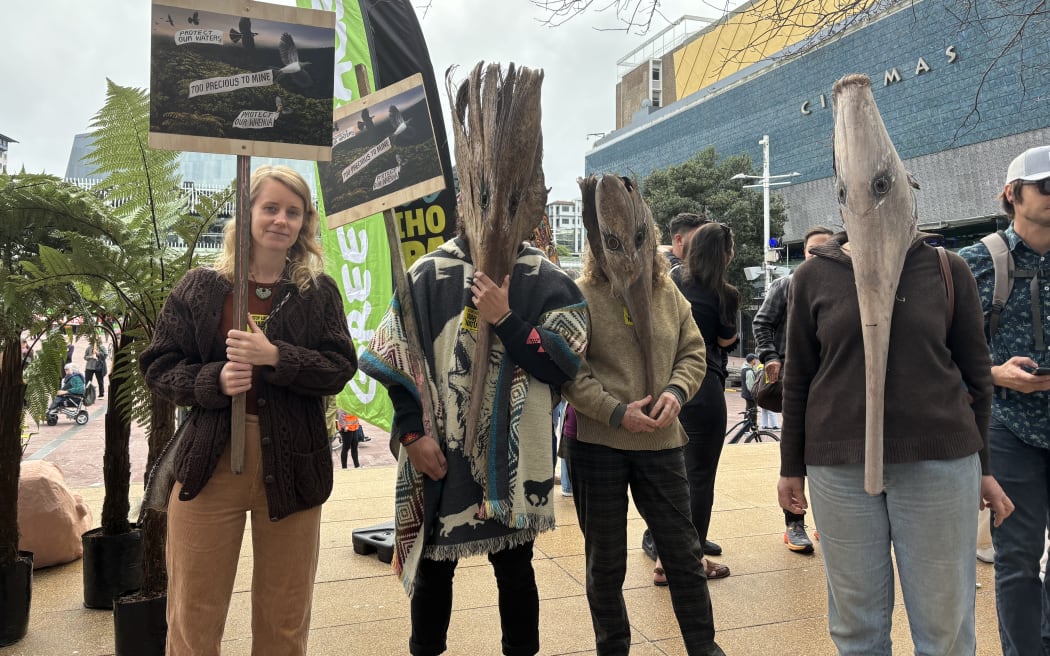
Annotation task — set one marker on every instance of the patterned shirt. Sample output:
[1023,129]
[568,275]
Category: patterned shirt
[1026,415]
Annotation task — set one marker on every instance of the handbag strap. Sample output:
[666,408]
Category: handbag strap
[949,284]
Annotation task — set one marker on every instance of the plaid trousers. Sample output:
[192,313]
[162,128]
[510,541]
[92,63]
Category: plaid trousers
[601,477]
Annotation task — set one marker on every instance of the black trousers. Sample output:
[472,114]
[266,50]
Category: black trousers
[519,603]
[99,376]
[350,440]
[704,420]
[601,477]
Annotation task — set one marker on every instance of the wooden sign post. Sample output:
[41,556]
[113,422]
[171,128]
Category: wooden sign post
[416,362]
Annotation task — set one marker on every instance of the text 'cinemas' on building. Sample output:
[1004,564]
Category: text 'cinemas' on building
[961,93]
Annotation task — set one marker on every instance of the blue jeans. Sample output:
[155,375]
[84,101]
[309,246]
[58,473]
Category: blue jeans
[1022,600]
[928,513]
[566,482]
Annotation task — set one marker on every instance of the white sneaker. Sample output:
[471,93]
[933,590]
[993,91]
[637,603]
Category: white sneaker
[986,555]
[567,493]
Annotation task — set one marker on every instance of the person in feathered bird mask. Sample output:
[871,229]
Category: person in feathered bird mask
[645,358]
[502,329]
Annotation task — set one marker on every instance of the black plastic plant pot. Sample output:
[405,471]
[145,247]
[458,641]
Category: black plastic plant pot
[140,624]
[112,565]
[16,595]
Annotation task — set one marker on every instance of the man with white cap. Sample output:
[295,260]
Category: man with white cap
[1019,434]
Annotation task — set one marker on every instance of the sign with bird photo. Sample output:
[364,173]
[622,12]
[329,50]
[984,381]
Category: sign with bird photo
[241,78]
[384,154]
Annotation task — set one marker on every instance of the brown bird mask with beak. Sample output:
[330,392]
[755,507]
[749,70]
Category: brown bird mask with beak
[499,155]
[622,236]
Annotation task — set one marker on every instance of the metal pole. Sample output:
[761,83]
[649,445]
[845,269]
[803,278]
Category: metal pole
[240,299]
[765,208]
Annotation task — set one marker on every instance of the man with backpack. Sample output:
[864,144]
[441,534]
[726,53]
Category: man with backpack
[1012,268]
[770,327]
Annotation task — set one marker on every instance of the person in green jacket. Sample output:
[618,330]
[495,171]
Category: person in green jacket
[72,385]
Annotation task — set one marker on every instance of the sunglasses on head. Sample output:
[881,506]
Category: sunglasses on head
[1042,185]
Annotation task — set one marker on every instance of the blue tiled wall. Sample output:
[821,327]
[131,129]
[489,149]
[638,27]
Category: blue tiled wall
[924,114]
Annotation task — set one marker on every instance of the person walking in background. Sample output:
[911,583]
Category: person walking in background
[350,434]
[749,376]
[1020,427]
[95,366]
[681,227]
[292,350]
[713,303]
[770,325]
[769,420]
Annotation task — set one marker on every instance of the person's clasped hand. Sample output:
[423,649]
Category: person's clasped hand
[665,410]
[636,420]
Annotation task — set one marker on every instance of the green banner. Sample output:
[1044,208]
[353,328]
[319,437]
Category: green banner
[357,254]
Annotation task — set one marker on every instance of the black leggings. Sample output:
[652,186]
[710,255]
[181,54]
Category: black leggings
[704,420]
[350,440]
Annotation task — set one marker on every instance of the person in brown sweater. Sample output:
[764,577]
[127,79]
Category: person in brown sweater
[294,351]
[938,400]
[625,438]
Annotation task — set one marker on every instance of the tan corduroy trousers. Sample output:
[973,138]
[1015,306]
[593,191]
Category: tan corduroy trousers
[204,545]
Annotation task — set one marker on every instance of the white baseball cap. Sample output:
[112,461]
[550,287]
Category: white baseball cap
[1032,164]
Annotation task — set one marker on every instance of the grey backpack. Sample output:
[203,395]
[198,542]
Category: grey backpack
[1003,286]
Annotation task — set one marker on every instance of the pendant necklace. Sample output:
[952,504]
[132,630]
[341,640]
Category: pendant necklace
[263,293]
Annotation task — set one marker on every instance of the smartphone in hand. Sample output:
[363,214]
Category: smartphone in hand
[1042,371]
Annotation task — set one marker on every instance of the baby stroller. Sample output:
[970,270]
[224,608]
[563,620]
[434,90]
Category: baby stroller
[72,406]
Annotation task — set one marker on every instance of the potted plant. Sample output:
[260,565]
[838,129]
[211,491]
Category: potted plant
[132,282]
[37,212]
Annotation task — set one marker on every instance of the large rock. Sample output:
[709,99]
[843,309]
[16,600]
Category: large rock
[51,519]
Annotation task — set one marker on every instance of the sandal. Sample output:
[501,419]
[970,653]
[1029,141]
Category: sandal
[659,577]
[714,570]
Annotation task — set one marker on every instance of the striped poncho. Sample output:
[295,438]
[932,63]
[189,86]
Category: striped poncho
[498,495]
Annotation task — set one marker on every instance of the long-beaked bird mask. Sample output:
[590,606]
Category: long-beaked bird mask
[877,205]
[622,239]
[499,155]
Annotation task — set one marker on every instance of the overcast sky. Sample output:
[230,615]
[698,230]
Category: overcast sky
[60,52]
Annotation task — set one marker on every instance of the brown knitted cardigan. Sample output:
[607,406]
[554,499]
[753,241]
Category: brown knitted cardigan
[317,358]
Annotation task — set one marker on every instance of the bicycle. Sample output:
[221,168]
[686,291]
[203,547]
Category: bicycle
[747,428]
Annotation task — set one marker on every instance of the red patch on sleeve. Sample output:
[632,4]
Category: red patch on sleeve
[534,338]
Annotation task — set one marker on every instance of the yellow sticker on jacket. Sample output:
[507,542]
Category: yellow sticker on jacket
[627,317]
[259,319]
[470,319]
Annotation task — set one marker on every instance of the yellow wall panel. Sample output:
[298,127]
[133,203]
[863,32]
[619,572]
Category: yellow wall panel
[749,35]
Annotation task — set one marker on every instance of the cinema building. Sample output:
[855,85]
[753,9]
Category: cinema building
[960,94]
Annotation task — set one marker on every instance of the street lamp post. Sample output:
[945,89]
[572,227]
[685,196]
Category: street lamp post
[765,184]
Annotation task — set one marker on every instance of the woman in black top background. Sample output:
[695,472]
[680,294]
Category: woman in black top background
[702,280]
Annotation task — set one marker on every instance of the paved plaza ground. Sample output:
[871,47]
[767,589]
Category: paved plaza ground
[773,604]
